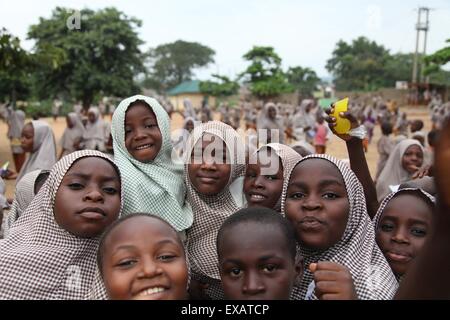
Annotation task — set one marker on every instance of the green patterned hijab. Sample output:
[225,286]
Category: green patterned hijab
[156,187]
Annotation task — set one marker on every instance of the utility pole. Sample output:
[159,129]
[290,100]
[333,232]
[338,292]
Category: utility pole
[420,26]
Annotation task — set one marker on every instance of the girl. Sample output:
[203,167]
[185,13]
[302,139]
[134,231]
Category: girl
[303,148]
[272,123]
[264,190]
[214,175]
[402,225]
[326,204]
[50,251]
[96,133]
[26,189]
[404,161]
[15,120]
[152,182]
[137,267]
[384,147]
[39,141]
[180,137]
[321,136]
[72,134]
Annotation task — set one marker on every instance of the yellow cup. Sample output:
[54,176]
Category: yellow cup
[342,125]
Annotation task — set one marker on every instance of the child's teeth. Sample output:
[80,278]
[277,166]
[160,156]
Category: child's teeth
[152,291]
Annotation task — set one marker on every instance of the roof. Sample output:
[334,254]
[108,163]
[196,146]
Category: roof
[192,86]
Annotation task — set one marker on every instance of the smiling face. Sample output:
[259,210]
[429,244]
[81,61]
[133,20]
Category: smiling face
[136,266]
[317,203]
[27,138]
[412,158]
[143,138]
[255,263]
[88,198]
[264,190]
[403,228]
[208,169]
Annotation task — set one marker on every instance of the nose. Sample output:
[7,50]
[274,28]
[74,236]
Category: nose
[140,134]
[311,203]
[259,182]
[94,195]
[400,236]
[148,268]
[252,284]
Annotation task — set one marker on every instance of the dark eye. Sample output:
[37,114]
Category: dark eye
[126,263]
[127,130]
[387,227]
[150,125]
[330,196]
[110,190]
[166,257]
[271,177]
[235,272]
[251,174]
[269,268]
[297,195]
[418,232]
[76,186]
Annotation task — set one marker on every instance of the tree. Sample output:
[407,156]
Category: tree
[305,80]
[224,88]
[101,57]
[398,68]
[359,65]
[264,74]
[433,65]
[172,63]
[16,66]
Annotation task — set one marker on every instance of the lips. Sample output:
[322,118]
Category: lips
[143,147]
[257,197]
[207,179]
[149,293]
[398,256]
[92,213]
[310,223]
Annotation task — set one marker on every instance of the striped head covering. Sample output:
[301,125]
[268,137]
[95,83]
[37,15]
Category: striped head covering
[211,210]
[357,249]
[289,158]
[39,259]
[156,187]
[43,155]
[393,172]
[419,192]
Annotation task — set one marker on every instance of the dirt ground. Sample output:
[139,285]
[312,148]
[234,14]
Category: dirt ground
[335,147]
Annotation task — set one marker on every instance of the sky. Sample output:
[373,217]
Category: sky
[303,32]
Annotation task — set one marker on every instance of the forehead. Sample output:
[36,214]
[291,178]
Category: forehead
[408,206]
[210,139]
[140,110]
[93,166]
[136,230]
[413,148]
[253,238]
[315,169]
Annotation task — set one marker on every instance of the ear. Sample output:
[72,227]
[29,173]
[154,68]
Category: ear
[299,269]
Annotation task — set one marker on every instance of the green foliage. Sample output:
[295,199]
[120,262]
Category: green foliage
[172,63]
[305,80]
[15,67]
[224,88]
[441,56]
[433,64]
[264,74]
[102,57]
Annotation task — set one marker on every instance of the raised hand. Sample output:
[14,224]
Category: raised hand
[333,281]
[332,122]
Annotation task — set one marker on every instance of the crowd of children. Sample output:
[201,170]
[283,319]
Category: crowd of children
[202,215]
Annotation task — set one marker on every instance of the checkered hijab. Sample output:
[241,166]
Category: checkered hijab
[39,259]
[156,187]
[212,210]
[357,249]
[289,158]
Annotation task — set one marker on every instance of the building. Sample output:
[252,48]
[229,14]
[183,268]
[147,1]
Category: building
[188,90]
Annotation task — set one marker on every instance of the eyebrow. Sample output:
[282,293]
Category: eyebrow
[329,182]
[87,176]
[414,221]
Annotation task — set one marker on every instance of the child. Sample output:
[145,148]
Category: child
[384,147]
[26,189]
[72,135]
[272,123]
[214,180]
[320,138]
[50,250]
[263,183]
[257,255]
[15,120]
[96,133]
[402,224]
[135,266]
[152,182]
[404,161]
[39,141]
[326,204]
[303,148]
[180,137]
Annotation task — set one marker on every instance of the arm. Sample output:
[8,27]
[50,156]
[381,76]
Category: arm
[428,276]
[358,161]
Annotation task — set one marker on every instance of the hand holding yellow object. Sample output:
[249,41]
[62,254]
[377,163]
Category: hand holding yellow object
[342,125]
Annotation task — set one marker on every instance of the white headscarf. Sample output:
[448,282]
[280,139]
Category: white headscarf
[73,134]
[39,259]
[265,122]
[94,136]
[43,155]
[393,172]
